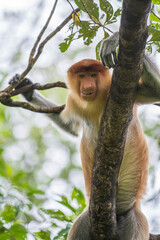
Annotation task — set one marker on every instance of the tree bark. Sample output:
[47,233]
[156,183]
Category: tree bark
[154,237]
[116,118]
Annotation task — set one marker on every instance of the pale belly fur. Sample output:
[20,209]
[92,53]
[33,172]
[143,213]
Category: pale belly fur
[133,171]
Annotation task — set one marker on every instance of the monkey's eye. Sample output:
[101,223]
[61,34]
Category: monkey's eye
[93,74]
[81,75]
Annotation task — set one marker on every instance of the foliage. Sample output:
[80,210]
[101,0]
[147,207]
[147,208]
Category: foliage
[17,212]
[154,28]
[97,17]
[22,197]
[102,16]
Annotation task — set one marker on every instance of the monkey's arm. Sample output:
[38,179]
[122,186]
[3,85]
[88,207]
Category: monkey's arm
[108,50]
[148,90]
[38,99]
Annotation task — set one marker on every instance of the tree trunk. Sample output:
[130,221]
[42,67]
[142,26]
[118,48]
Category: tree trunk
[116,118]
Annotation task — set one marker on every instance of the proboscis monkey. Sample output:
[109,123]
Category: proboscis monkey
[89,84]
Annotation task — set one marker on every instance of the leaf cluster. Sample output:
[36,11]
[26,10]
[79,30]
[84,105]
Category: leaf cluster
[101,15]
[94,17]
[17,212]
[21,193]
[154,27]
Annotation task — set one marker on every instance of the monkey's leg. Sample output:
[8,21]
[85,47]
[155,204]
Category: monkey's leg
[81,228]
[133,225]
[149,88]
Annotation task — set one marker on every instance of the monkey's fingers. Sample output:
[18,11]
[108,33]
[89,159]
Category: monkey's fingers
[108,57]
[114,57]
[25,82]
[14,79]
[109,60]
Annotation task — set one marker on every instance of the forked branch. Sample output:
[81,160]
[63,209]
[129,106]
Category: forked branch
[7,93]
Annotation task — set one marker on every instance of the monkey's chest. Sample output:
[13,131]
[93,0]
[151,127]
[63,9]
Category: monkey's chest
[133,171]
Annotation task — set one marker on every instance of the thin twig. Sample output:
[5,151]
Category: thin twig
[90,14]
[52,34]
[39,51]
[70,4]
[96,22]
[74,11]
[42,32]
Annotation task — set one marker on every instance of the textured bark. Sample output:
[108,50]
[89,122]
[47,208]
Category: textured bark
[116,118]
[154,237]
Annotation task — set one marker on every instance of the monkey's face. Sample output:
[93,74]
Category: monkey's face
[87,82]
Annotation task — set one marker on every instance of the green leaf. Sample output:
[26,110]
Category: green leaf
[5,236]
[43,235]
[155,26]
[107,8]
[98,50]
[80,5]
[9,214]
[65,203]
[79,197]
[157,2]
[149,48]
[67,42]
[90,7]
[18,232]
[2,228]
[62,233]
[155,34]
[106,34]
[118,12]
[57,214]
[98,47]
[158,50]
[103,15]
[154,18]
[87,32]
[65,45]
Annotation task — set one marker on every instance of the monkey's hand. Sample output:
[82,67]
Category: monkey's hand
[108,50]
[26,81]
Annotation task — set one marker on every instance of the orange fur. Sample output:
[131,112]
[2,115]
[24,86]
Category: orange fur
[134,168]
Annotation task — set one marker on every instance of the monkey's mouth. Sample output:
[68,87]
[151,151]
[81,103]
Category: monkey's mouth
[88,95]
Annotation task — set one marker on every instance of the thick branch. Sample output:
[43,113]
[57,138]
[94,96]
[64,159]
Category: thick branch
[26,105]
[116,118]
[6,99]
[37,86]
